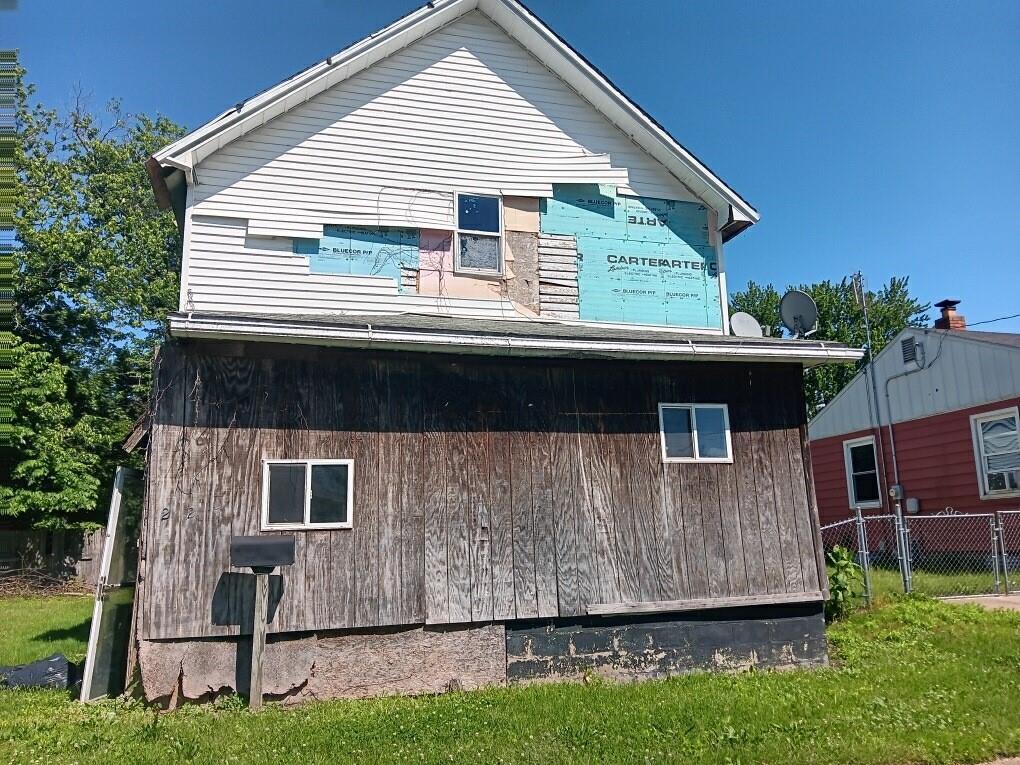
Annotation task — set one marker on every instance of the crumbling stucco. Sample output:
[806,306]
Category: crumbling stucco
[327,665]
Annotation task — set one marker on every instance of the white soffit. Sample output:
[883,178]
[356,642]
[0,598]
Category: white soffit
[523,26]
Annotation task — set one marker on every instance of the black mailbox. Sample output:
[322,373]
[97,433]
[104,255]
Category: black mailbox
[261,553]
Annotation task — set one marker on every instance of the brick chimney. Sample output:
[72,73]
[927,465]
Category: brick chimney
[950,319]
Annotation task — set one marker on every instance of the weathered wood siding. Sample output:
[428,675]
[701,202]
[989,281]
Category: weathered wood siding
[486,488]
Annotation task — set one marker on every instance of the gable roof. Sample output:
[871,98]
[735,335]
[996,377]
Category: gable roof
[520,24]
[968,368]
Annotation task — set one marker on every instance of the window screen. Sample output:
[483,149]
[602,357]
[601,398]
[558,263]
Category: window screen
[695,432]
[307,494]
[328,500]
[999,446]
[286,493]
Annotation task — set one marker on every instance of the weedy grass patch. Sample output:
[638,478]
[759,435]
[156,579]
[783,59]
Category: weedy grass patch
[912,681]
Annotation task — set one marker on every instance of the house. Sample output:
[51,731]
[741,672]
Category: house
[940,421]
[453,314]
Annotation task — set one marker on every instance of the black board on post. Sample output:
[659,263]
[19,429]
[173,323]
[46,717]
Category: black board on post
[261,554]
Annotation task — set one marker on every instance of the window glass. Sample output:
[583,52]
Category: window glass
[1000,448]
[863,474]
[862,458]
[286,493]
[481,252]
[478,213]
[866,487]
[678,432]
[328,503]
[711,424]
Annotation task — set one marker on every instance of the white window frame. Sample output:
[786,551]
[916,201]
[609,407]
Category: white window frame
[457,231]
[979,450]
[848,466]
[306,525]
[728,459]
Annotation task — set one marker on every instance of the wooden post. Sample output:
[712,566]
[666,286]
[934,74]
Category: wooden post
[258,639]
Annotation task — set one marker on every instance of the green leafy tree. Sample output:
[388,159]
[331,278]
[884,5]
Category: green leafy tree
[96,272]
[841,320]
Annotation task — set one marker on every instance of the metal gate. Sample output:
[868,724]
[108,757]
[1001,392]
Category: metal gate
[940,555]
[1009,547]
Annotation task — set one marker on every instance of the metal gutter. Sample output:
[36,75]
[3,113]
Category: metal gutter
[389,338]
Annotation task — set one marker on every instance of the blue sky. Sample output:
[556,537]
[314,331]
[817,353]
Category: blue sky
[880,136]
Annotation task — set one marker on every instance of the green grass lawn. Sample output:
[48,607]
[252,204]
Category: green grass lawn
[914,681]
[886,581]
[31,628]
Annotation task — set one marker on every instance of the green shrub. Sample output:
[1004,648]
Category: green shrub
[846,583]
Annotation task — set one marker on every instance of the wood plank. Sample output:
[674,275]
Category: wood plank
[747,501]
[566,490]
[367,380]
[391,442]
[715,551]
[652,508]
[671,479]
[697,552]
[479,536]
[733,543]
[459,507]
[500,518]
[699,604]
[785,510]
[412,514]
[544,506]
[437,595]
[822,573]
[599,459]
[525,592]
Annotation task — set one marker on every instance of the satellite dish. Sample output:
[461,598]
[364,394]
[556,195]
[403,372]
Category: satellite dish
[798,313]
[745,325]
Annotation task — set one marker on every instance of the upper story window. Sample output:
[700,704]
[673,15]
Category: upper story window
[862,473]
[479,229]
[307,494]
[997,452]
[695,433]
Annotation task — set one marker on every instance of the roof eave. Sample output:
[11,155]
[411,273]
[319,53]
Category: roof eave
[355,335]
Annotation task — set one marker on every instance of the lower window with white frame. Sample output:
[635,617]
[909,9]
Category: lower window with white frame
[307,494]
[695,433]
[997,451]
[862,473]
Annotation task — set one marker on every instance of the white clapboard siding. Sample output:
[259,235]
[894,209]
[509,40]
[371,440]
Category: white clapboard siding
[464,108]
[230,270]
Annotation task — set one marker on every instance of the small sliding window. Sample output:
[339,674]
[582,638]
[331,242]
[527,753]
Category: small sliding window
[479,229]
[307,494]
[695,433]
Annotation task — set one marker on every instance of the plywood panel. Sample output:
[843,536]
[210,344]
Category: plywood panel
[497,489]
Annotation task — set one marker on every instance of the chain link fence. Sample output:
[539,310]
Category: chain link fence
[1009,536]
[940,555]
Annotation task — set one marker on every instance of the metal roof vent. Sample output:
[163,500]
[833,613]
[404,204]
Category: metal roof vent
[909,349]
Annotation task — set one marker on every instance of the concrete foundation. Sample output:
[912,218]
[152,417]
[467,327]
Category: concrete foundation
[642,647]
[342,664]
[407,661]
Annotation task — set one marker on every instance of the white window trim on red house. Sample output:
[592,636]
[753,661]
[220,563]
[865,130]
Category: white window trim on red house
[979,454]
[848,468]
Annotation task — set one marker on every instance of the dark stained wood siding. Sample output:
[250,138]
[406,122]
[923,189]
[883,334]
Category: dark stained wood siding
[485,488]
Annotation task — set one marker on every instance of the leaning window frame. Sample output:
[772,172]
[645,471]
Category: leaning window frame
[848,468]
[979,450]
[727,460]
[306,524]
[457,231]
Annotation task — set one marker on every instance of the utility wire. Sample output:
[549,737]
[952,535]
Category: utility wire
[992,321]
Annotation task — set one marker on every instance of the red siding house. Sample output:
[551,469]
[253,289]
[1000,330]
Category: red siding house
[940,420]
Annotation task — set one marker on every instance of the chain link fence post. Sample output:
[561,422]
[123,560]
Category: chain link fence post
[902,547]
[863,553]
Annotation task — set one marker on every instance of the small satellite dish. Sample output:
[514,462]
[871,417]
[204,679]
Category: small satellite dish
[798,313]
[745,325]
